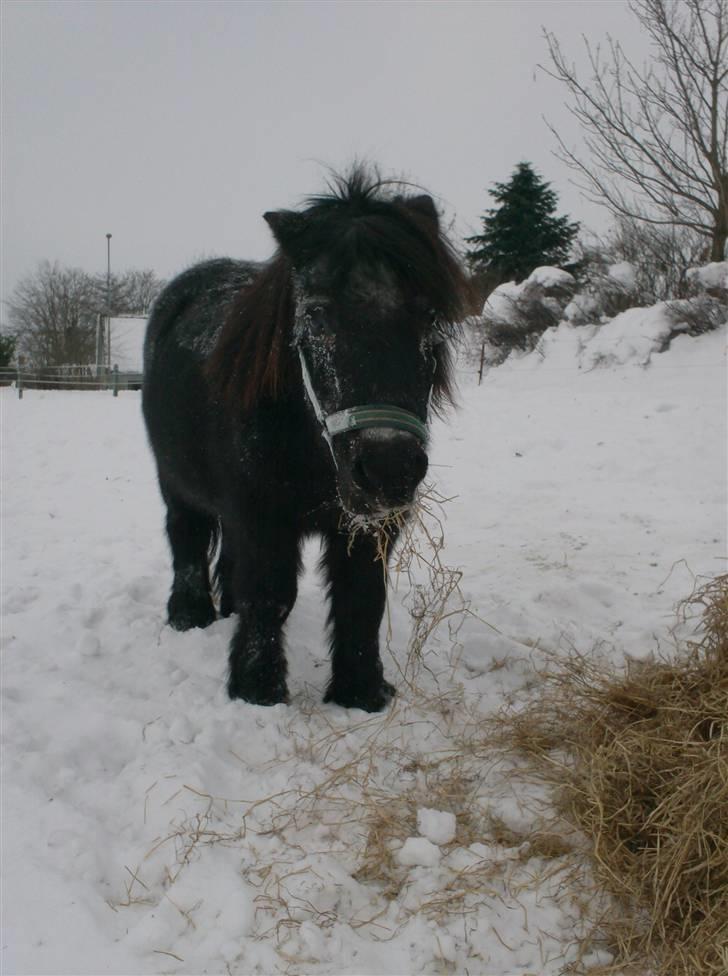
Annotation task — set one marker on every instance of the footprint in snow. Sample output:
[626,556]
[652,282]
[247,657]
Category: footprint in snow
[21,598]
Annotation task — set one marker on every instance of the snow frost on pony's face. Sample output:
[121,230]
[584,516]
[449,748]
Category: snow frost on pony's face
[367,352]
[375,289]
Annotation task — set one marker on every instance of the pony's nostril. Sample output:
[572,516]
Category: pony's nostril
[419,466]
[360,475]
[390,469]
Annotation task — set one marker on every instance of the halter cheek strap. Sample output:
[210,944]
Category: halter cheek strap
[359,418]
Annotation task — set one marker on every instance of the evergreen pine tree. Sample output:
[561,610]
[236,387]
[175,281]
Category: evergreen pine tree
[522,233]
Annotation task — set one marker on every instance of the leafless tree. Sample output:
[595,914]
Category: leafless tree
[52,312]
[142,288]
[657,136]
[130,293]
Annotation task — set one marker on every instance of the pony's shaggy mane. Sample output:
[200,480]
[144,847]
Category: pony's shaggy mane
[361,221]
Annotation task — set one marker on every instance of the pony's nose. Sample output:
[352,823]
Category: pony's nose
[388,465]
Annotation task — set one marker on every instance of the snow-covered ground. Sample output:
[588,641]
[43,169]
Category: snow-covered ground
[152,826]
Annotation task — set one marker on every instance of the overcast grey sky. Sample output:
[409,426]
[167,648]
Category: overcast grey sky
[174,124]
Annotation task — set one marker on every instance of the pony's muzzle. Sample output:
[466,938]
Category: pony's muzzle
[387,466]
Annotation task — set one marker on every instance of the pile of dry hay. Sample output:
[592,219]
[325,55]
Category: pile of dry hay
[638,762]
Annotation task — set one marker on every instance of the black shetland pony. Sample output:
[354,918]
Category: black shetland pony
[291,398]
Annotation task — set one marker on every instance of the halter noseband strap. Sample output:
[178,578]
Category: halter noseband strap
[359,418]
[375,415]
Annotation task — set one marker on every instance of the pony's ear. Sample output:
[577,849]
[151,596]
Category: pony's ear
[286,226]
[425,205]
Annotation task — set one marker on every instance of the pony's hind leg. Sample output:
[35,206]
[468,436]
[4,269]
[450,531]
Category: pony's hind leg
[191,534]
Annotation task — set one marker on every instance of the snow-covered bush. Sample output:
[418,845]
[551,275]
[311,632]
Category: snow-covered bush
[613,329]
[606,290]
[707,308]
[711,279]
[659,257]
[515,316]
[694,316]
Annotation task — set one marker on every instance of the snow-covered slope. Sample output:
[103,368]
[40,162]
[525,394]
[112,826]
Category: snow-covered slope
[150,825]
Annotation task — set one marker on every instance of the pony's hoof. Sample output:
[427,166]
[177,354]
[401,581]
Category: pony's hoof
[372,699]
[184,613]
[255,692]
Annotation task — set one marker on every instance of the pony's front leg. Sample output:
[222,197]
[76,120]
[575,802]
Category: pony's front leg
[264,582]
[357,590]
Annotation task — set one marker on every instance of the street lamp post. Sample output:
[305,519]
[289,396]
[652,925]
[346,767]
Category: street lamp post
[108,299]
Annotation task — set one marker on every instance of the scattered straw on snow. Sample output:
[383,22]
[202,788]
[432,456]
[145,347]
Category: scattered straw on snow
[341,843]
[631,839]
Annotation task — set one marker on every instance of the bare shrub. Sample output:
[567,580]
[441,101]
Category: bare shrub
[697,316]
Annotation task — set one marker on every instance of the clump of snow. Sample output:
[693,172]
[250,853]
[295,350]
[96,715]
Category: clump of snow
[710,276]
[550,278]
[445,948]
[603,293]
[584,307]
[624,274]
[419,852]
[499,304]
[551,285]
[438,826]
[630,337]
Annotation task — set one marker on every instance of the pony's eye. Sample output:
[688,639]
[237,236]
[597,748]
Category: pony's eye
[431,349]
[432,342]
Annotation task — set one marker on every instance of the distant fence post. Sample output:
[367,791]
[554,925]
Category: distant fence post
[116,379]
[482,363]
[19,383]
